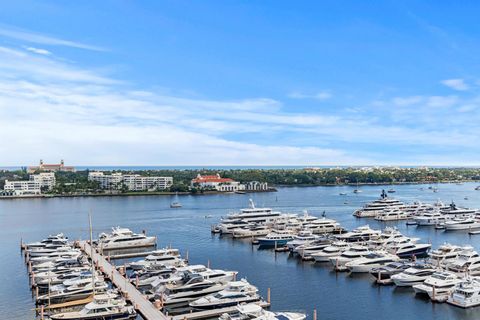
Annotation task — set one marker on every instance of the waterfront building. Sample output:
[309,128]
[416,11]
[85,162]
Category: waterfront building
[45,179]
[256,186]
[22,187]
[215,182]
[51,167]
[132,182]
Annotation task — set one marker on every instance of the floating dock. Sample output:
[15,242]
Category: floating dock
[138,300]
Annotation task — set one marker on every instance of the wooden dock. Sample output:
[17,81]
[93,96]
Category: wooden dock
[138,300]
[196,315]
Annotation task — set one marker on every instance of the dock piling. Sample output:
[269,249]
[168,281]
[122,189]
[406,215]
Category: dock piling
[268,295]
[314,314]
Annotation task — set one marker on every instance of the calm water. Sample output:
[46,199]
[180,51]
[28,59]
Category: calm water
[295,285]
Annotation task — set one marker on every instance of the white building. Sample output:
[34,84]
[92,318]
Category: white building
[133,182]
[215,182]
[45,179]
[25,187]
[256,186]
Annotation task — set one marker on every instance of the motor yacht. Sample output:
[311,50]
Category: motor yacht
[431,218]
[253,311]
[71,293]
[438,286]
[412,250]
[466,294]
[416,274]
[462,223]
[353,252]
[51,241]
[275,238]
[322,226]
[167,257]
[331,251]
[235,293]
[122,238]
[378,206]
[253,214]
[383,274]
[306,250]
[393,214]
[453,211]
[303,237]
[251,231]
[445,254]
[468,261]
[362,233]
[372,260]
[103,306]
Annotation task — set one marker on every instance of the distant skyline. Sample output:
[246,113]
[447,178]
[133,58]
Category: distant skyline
[212,83]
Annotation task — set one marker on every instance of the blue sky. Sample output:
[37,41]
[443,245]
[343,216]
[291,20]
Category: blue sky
[240,83]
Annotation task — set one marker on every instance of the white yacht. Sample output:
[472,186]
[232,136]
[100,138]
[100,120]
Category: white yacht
[438,286]
[430,218]
[378,206]
[275,238]
[253,311]
[235,293]
[251,231]
[410,249]
[353,252]
[52,241]
[322,226]
[445,254]
[167,257]
[370,261]
[462,223]
[362,233]
[253,214]
[468,261]
[122,238]
[454,212]
[103,306]
[303,237]
[334,250]
[383,274]
[393,214]
[416,274]
[306,250]
[466,294]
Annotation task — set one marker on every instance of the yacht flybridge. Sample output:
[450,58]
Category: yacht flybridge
[122,238]
[378,206]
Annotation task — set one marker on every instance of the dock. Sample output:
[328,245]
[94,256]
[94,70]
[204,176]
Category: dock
[138,300]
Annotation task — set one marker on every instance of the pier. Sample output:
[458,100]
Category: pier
[139,301]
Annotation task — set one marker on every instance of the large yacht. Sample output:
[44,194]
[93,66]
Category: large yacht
[334,250]
[303,237]
[250,231]
[416,274]
[362,233]
[431,218]
[466,294]
[383,274]
[322,225]
[370,261]
[103,306]
[167,257]
[354,252]
[462,223]
[306,250]
[438,286]
[378,206]
[453,211]
[392,214]
[445,254]
[235,293]
[253,311]
[52,241]
[468,261]
[411,249]
[121,238]
[253,214]
[275,238]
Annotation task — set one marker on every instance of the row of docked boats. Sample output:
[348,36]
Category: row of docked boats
[273,227]
[67,286]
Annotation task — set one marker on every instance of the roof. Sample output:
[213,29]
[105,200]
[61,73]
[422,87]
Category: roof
[211,178]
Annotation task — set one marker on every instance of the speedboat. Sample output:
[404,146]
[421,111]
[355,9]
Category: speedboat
[235,293]
[383,274]
[468,261]
[103,306]
[370,261]
[334,250]
[416,274]
[354,252]
[253,311]
[466,294]
[275,238]
[438,286]
[362,233]
[122,238]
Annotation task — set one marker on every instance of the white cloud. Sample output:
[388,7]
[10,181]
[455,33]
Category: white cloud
[442,101]
[38,51]
[456,84]
[32,37]
[407,101]
[321,95]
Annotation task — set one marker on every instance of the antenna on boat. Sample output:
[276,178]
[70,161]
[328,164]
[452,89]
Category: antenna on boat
[91,251]
[252,204]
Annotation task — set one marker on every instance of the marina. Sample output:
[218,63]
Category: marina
[264,268]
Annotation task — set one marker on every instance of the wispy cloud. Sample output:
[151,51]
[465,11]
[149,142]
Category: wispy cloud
[38,51]
[456,84]
[321,95]
[32,37]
